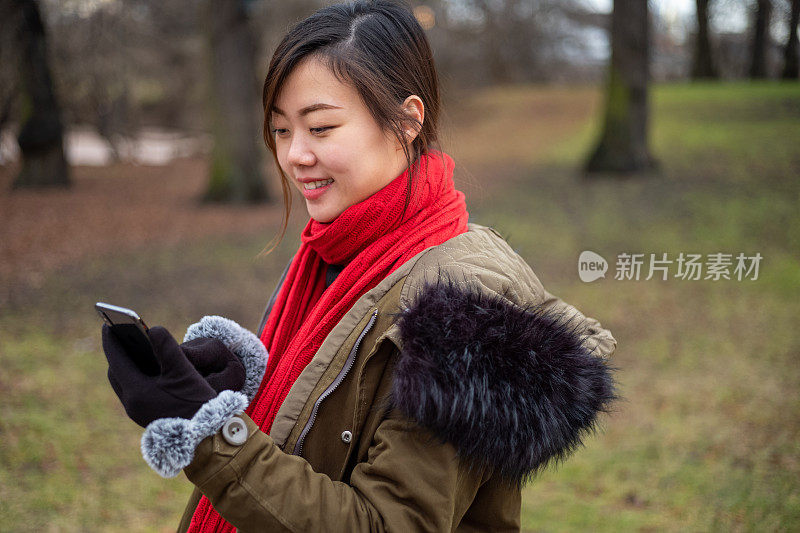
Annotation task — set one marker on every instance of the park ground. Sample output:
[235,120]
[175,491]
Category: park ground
[707,436]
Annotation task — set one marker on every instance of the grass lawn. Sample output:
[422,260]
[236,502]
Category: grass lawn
[708,434]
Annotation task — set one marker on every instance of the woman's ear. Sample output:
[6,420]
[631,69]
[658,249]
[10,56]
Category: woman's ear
[415,109]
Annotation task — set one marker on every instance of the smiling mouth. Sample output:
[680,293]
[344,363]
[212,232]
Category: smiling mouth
[310,186]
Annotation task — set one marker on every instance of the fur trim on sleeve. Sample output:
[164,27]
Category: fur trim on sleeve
[168,444]
[240,341]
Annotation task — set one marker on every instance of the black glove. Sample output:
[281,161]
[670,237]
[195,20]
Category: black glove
[199,386]
[191,374]
[220,367]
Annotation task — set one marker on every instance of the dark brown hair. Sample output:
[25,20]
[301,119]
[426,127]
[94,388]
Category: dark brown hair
[380,49]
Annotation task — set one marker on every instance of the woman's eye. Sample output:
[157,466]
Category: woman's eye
[282,131]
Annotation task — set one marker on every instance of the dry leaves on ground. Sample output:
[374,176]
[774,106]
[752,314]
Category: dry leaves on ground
[118,207]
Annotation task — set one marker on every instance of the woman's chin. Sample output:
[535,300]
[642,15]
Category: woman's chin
[323,216]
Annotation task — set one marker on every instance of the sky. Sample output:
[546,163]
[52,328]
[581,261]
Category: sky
[678,14]
[680,6]
[733,18]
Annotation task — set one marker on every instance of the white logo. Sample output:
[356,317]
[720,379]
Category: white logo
[591,266]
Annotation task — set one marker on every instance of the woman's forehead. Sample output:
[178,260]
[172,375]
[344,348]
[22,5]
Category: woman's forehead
[312,87]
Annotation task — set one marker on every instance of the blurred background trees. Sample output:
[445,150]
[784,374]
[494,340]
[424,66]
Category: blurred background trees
[702,59]
[623,145]
[41,132]
[790,51]
[236,174]
[122,67]
[758,50]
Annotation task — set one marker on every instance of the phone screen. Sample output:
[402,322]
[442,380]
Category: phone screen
[131,331]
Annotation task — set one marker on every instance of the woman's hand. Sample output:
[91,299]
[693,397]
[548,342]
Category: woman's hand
[220,367]
[201,385]
[191,374]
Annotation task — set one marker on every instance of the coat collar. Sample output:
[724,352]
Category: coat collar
[511,387]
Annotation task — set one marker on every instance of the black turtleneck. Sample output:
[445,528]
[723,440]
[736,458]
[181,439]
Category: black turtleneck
[331,273]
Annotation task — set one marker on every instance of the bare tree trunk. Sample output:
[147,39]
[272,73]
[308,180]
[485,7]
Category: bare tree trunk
[758,61]
[41,136]
[791,69]
[498,67]
[623,145]
[703,62]
[236,169]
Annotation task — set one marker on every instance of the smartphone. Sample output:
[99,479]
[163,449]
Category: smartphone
[131,331]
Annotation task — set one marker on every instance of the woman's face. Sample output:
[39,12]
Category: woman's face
[322,131]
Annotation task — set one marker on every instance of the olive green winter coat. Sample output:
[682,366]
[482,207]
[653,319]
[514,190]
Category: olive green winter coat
[427,407]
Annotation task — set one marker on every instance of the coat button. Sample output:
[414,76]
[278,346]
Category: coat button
[347,437]
[235,431]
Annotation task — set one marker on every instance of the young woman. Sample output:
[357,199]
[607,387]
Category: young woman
[410,373]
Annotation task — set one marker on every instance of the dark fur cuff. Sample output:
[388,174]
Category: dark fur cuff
[511,388]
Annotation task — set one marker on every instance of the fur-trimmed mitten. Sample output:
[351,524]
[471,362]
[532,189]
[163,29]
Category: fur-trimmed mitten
[192,397]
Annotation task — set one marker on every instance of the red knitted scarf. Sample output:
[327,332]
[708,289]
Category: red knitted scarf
[372,241]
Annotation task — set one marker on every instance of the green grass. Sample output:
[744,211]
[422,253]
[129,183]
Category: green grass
[706,438]
[69,456]
[67,445]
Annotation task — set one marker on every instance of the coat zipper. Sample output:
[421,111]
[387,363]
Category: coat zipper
[298,447]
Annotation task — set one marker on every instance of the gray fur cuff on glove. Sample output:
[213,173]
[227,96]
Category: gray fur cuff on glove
[242,342]
[168,444]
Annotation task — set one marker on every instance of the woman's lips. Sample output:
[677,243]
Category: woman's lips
[312,194]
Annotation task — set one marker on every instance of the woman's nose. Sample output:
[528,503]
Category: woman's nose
[300,153]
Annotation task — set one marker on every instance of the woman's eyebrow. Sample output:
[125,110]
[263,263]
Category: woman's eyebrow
[308,109]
